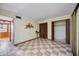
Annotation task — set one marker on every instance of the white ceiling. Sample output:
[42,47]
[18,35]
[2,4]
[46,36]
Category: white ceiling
[39,10]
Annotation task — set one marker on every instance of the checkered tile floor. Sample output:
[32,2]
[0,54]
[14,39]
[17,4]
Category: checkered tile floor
[43,47]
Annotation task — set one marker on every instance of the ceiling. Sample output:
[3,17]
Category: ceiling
[39,10]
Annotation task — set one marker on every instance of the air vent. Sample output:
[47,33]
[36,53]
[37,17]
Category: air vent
[18,17]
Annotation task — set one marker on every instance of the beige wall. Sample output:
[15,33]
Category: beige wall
[21,34]
[77,31]
[71,31]
[74,33]
[49,30]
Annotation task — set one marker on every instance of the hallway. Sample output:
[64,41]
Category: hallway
[44,47]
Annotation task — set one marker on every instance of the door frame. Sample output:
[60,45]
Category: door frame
[46,29]
[52,29]
[67,30]
[9,22]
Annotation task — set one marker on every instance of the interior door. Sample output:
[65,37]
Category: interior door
[68,31]
[43,30]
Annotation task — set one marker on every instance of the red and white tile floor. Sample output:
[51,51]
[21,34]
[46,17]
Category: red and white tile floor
[43,47]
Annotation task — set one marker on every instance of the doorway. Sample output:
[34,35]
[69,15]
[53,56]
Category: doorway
[43,30]
[61,31]
[5,30]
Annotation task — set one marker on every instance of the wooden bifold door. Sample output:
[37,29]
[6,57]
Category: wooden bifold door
[43,30]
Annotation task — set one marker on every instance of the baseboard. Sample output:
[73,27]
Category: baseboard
[24,41]
[28,40]
[49,39]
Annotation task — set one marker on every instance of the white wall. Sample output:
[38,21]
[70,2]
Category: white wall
[60,31]
[21,34]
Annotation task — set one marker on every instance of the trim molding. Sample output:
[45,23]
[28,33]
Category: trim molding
[25,41]
[52,30]
[68,31]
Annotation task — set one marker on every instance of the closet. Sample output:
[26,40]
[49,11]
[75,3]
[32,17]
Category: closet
[61,31]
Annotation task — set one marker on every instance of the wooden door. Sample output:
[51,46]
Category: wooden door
[43,30]
[68,31]
[52,31]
